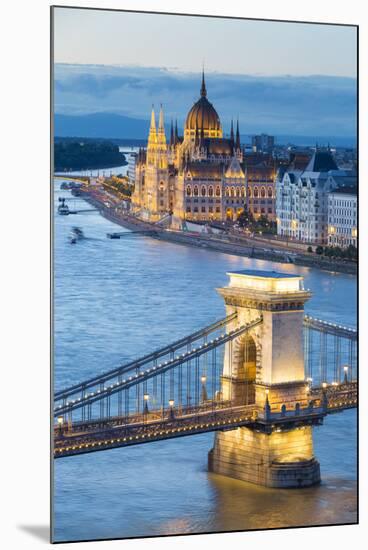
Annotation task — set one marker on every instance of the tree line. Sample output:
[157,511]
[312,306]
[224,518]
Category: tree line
[79,155]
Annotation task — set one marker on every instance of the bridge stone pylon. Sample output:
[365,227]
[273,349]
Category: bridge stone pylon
[264,367]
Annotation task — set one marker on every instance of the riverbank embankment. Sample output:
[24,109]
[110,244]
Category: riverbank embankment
[225,243]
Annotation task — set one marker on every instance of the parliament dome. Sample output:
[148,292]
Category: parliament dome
[204,116]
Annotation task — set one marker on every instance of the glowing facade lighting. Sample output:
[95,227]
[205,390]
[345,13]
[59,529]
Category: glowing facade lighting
[266,281]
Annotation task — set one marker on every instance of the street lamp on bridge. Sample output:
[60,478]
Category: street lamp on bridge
[145,408]
[346,370]
[204,396]
[60,422]
[171,414]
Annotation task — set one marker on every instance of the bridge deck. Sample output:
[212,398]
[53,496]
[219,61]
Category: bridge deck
[103,434]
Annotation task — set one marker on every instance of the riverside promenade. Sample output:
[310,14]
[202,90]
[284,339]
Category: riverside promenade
[227,243]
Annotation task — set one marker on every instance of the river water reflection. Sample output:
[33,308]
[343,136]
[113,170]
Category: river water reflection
[115,300]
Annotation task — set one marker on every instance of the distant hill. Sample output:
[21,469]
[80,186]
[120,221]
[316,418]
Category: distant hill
[113,126]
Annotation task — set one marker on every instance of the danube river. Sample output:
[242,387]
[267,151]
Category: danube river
[116,300]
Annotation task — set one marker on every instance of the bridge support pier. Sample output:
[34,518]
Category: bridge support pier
[280,459]
[266,368]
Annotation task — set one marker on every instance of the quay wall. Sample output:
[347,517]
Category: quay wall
[227,245]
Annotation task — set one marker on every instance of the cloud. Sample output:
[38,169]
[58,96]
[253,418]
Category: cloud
[307,105]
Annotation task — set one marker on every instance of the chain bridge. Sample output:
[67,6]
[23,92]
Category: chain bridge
[265,373]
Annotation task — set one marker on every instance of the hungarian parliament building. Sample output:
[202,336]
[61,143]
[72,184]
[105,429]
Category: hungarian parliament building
[202,175]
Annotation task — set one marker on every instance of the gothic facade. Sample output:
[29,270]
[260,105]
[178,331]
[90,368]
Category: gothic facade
[198,176]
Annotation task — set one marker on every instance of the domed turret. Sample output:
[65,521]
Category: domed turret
[203,118]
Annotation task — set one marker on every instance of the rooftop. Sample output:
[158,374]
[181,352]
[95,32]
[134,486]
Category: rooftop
[346,190]
[264,274]
[321,161]
[270,282]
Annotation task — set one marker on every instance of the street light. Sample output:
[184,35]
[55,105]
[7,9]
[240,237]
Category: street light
[60,422]
[171,404]
[204,396]
[346,369]
[145,408]
[267,391]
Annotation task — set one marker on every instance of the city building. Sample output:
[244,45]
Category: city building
[342,217]
[263,143]
[302,196]
[198,176]
[261,171]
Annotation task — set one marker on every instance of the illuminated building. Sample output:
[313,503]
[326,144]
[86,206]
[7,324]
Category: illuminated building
[343,217]
[198,176]
[302,192]
[261,171]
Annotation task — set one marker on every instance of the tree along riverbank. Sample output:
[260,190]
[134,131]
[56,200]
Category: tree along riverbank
[221,243]
[88,155]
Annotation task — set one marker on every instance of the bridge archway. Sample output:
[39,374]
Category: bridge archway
[245,362]
[241,368]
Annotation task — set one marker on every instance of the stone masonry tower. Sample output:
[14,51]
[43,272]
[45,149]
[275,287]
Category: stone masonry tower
[264,368]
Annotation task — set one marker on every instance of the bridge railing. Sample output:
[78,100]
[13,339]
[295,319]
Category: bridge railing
[88,437]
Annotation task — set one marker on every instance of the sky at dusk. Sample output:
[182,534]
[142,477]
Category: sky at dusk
[276,77]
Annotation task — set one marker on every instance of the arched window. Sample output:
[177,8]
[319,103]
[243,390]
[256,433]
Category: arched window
[227,192]
[189,191]
[210,191]
[255,192]
[218,191]
[249,192]
[195,191]
[232,192]
[242,192]
[263,192]
[203,191]
[237,192]
[270,192]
